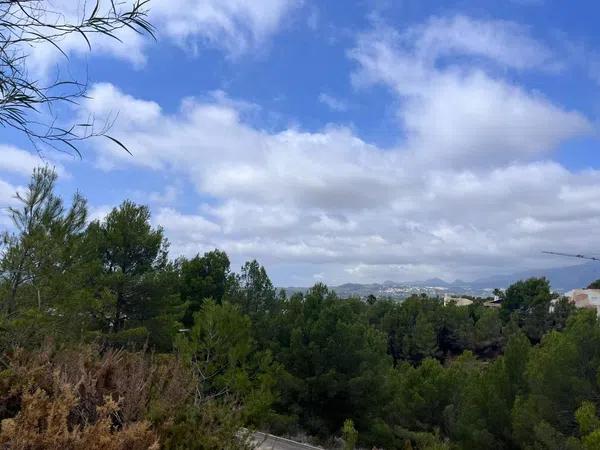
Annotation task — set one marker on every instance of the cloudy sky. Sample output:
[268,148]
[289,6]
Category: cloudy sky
[346,141]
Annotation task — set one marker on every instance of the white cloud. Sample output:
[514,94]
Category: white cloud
[99,212]
[167,197]
[7,199]
[8,194]
[196,227]
[44,57]
[333,103]
[506,43]
[472,190]
[463,116]
[203,139]
[234,26]
[476,119]
[355,211]
[22,162]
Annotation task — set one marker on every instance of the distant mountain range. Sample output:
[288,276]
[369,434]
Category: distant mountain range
[562,279]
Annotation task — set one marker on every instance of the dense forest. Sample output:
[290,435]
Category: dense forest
[107,342]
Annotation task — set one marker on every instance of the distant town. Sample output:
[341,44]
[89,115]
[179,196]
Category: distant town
[562,280]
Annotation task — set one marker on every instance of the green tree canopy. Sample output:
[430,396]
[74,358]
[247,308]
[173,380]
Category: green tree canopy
[132,258]
[203,277]
[594,285]
[46,230]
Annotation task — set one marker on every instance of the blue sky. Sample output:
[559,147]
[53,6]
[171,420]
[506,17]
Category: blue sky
[346,141]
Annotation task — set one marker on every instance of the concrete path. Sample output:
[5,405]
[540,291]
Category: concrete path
[266,441]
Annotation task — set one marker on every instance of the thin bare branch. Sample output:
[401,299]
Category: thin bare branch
[27,104]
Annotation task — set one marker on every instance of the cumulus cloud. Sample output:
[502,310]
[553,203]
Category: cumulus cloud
[234,26]
[7,199]
[21,162]
[226,157]
[167,197]
[43,57]
[463,116]
[472,190]
[504,42]
[332,200]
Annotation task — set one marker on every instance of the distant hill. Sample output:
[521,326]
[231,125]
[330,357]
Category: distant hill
[562,279]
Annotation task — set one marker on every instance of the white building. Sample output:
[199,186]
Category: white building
[460,301]
[585,298]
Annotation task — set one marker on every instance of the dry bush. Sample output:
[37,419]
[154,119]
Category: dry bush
[81,398]
[78,399]
[44,423]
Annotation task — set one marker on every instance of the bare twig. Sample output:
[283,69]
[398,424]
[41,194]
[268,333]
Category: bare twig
[25,102]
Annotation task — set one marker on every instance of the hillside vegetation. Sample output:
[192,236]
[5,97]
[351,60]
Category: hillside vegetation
[107,342]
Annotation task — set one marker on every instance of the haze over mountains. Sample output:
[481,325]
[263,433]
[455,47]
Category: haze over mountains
[562,279]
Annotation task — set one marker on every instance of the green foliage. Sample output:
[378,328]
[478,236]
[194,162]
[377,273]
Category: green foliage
[222,354]
[47,234]
[586,418]
[594,285]
[44,266]
[133,270]
[561,374]
[252,290]
[334,363]
[126,242]
[420,327]
[483,417]
[413,374]
[591,441]
[349,435]
[488,329]
[529,302]
[525,294]
[218,347]
[422,395]
[203,277]
[213,426]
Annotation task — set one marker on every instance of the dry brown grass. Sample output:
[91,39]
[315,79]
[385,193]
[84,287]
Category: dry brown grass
[44,423]
[76,399]
[82,398]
